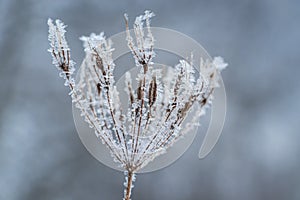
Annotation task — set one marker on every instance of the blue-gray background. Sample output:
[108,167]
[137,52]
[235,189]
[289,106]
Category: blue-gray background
[257,157]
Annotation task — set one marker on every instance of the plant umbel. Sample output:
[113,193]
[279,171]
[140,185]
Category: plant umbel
[157,108]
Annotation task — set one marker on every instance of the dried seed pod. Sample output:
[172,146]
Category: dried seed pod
[152,91]
[139,91]
[98,88]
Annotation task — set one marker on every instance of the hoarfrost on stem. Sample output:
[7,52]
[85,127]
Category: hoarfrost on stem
[156,109]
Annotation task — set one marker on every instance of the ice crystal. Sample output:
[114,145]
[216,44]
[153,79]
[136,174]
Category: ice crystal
[156,109]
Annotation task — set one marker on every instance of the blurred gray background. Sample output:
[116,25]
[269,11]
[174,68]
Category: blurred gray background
[258,154]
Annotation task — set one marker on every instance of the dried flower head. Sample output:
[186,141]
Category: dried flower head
[157,108]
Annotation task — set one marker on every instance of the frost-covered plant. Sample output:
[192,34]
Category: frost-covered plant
[156,109]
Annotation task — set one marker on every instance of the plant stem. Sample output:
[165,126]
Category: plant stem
[130,178]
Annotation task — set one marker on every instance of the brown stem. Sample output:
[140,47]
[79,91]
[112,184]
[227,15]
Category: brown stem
[128,189]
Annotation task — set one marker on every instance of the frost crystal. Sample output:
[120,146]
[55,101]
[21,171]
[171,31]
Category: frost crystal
[156,109]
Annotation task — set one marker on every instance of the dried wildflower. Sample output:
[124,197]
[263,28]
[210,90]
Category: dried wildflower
[156,109]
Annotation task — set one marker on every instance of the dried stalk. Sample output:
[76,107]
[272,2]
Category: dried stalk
[156,106]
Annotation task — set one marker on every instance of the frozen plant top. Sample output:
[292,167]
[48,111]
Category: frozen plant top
[157,108]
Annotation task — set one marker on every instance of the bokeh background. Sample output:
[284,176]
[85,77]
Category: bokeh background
[258,154]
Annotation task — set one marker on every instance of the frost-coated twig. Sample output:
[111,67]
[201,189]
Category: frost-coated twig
[129,179]
[158,106]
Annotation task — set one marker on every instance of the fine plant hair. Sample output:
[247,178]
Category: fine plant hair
[158,106]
